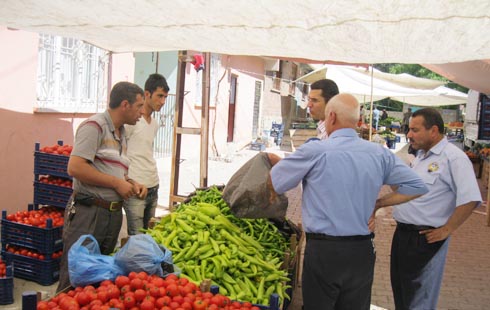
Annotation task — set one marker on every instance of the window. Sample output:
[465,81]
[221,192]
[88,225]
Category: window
[71,76]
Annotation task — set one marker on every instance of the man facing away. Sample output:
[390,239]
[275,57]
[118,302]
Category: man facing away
[339,257]
[424,225]
[320,93]
[143,167]
[99,167]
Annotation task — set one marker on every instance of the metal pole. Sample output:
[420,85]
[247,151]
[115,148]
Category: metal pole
[371,109]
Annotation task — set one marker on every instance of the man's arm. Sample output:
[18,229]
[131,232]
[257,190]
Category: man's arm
[79,168]
[458,217]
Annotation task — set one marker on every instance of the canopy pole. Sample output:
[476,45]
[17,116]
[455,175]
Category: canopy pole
[371,109]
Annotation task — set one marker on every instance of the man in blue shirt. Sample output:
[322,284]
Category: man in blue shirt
[341,179]
[421,239]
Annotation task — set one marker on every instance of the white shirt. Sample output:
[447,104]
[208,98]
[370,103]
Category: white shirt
[140,137]
[321,131]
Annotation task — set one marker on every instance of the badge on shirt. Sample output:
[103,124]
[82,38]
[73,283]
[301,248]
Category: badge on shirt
[433,167]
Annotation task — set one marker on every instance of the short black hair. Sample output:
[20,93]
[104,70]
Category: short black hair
[432,117]
[328,87]
[154,81]
[124,91]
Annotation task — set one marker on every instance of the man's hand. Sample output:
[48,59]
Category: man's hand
[437,234]
[372,222]
[124,188]
[140,190]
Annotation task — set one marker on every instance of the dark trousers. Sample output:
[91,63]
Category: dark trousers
[416,268]
[338,274]
[101,223]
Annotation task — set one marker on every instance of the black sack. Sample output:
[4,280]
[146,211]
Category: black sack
[247,192]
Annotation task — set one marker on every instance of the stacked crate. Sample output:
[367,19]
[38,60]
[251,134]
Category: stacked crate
[44,241]
[6,284]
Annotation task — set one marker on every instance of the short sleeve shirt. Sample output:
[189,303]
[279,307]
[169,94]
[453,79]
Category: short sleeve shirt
[96,141]
[341,179]
[449,175]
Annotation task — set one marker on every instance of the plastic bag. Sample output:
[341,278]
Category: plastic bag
[86,265]
[247,192]
[142,253]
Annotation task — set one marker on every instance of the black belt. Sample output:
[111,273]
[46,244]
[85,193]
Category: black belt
[314,236]
[411,227]
[91,201]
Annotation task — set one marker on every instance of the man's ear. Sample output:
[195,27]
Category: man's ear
[125,104]
[147,94]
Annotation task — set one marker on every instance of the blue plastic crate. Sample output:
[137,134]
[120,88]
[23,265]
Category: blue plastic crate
[7,287]
[44,272]
[52,195]
[50,164]
[44,240]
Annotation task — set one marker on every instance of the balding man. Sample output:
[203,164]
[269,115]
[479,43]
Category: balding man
[341,179]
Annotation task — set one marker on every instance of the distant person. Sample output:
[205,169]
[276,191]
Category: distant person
[143,167]
[406,121]
[376,117]
[320,93]
[425,224]
[339,257]
[362,115]
[384,115]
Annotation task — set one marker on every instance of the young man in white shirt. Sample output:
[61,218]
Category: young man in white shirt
[320,93]
[143,168]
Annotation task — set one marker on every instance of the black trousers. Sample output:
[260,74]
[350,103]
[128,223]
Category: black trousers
[338,274]
[415,274]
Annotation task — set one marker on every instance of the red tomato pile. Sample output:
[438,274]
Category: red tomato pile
[38,218]
[18,250]
[3,269]
[55,181]
[139,291]
[57,149]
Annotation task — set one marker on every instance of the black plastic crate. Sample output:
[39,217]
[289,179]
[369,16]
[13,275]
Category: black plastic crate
[7,287]
[50,164]
[52,195]
[44,272]
[44,240]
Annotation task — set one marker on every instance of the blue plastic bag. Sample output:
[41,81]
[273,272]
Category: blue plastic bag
[86,265]
[142,253]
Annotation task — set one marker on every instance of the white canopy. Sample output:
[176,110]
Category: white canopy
[400,87]
[355,31]
[472,74]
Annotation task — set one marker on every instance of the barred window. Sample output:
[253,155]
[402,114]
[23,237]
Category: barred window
[71,76]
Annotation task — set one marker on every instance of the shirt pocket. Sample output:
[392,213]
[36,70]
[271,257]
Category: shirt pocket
[430,178]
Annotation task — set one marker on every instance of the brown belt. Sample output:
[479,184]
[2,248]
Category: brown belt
[90,201]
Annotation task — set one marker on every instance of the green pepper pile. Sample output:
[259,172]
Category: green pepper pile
[242,256]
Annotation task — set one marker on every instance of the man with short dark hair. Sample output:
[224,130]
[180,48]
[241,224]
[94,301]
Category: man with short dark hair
[143,167]
[99,167]
[424,225]
[320,93]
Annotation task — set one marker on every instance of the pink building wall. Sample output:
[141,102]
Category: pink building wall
[20,128]
[248,69]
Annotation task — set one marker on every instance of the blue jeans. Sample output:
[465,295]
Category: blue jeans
[140,211]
